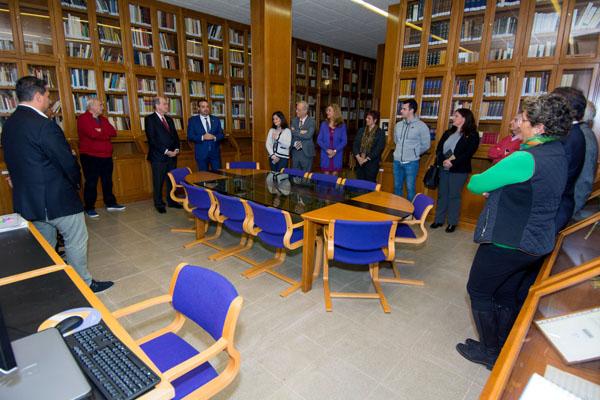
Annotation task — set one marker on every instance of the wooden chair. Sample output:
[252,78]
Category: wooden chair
[242,165]
[211,302]
[318,177]
[201,203]
[361,184]
[358,242]
[177,194]
[404,234]
[231,212]
[275,228]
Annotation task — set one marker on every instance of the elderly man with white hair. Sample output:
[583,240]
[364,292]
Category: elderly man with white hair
[95,153]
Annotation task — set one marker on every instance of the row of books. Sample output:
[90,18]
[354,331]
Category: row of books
[475,5]
[111,54]
[109,35]
[217,90]
[197,88]
[432,87]
[472,29]
[325,73]
[172,86]
[168,42]
[504,26]
[300,53]
[439,32]
[83,79]
[467,57]
[75,28]
[414,11]
[313,56]
[436,57]
[410,60]
[545,22]
[456,104]
[80,101]
[107,7]
[194,48]
[146,85]
[300,69]
[430,108]
[492,110]
[441,8]
[501,53]
[413,39]
[117,105]
[588,19]
[545,49]
[217,108]
[215,53]
[40,72]
[193,27]
[169,61]
[8,75]
[167,20]
[143,58]
[237,72]
[146,105]
[464,87]
[495,85]
[80,4]
[8,102]
[139,15]
[215,32]
[325,58]
[238,124]
[7,44]
[407,87]
[535,85]
[312,71]
[236,38]
[79,50]
[238,110]
[120,123]
[237,92]
[236,57]
[215,69]
[174,106]
[489,137]
[195,65]
[141,38]
[349,64]
[115,82]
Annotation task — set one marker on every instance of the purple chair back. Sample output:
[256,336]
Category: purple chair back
[243,164]
[231,207]
[362,236]
[203,296]
[270,220]
[421,202]
[324,178]
[179,174]
[293,172]
[360,184]
[197,197]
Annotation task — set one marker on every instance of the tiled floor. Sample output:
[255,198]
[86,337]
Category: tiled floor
[292,348]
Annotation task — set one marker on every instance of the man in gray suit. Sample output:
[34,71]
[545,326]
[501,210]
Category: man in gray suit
[303,129]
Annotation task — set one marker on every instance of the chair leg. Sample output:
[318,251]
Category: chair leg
[184,230]
[374,271]
[398,279]
[258,269]
[326,290]
[201,229]
[246,243]
[318,257]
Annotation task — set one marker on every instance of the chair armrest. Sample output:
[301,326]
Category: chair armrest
[142,305]
[298,225]
[196,361]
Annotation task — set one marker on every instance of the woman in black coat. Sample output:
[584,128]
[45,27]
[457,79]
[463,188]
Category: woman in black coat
[367,148]
[453,154]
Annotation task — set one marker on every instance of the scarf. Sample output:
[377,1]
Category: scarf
[367,140]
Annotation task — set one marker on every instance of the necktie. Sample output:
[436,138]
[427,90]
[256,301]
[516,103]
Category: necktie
[207,124]
[164,122]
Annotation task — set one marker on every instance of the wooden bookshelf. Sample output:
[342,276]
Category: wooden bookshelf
[497,53]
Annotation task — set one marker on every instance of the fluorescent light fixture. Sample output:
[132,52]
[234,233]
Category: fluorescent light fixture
[371,7]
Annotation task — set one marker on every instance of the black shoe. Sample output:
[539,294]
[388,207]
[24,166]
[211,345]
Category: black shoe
[450,228]
[161,210]
[435,225]
[100,286]
[175,205]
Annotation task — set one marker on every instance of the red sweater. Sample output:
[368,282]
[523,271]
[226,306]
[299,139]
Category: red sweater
[94,138]
[499,151]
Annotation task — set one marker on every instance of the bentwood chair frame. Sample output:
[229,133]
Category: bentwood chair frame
[329,254]
[226,343]
[246,240]
[179,200]
[201,227]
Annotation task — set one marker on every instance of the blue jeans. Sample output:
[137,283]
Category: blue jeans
[406,171]
[74,231]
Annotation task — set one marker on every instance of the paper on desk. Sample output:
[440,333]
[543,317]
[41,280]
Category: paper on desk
[580,387]
[11,222]
[539,387]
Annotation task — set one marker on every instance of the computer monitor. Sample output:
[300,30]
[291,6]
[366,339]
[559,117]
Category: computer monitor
[7,358]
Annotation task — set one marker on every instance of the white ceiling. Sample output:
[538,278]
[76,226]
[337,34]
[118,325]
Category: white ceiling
[340,24]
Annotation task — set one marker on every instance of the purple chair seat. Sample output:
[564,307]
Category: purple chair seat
[404,231]
[276,240]
[169,350]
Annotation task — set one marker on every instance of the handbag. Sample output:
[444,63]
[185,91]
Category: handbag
[431,179]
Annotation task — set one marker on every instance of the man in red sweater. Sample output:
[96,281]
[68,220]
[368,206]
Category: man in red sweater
[509,144]
[95,153]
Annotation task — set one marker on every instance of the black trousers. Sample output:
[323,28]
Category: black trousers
[368,171]
[498,276]
[159,175]
[94,168]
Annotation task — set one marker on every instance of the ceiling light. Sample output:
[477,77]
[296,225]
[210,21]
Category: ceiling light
[371,7]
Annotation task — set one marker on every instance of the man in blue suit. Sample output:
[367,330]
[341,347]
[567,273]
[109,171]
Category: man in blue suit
[206,132]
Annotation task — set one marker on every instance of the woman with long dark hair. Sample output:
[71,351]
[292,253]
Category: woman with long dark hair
[279,140]
[368,146]
[453,154]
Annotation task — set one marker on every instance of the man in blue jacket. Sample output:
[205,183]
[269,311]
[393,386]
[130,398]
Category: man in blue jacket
[206,132]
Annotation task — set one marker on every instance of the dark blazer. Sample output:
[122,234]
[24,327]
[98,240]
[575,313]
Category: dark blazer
[159,139]
[44,173]
[376,148]
[195,132]
[464,150]
[308,144]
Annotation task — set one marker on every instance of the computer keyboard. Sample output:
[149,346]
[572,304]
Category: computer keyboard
[113,368]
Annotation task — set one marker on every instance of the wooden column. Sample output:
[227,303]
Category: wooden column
[387,101]
[271,25]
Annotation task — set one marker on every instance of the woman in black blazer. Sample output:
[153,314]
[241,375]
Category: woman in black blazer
[453,154]
[367,148]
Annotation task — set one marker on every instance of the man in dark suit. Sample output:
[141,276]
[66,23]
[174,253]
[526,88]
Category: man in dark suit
[163,148]
[45,175]
[206,132]
[303,130]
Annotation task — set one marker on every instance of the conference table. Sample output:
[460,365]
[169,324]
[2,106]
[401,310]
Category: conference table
[315,203]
